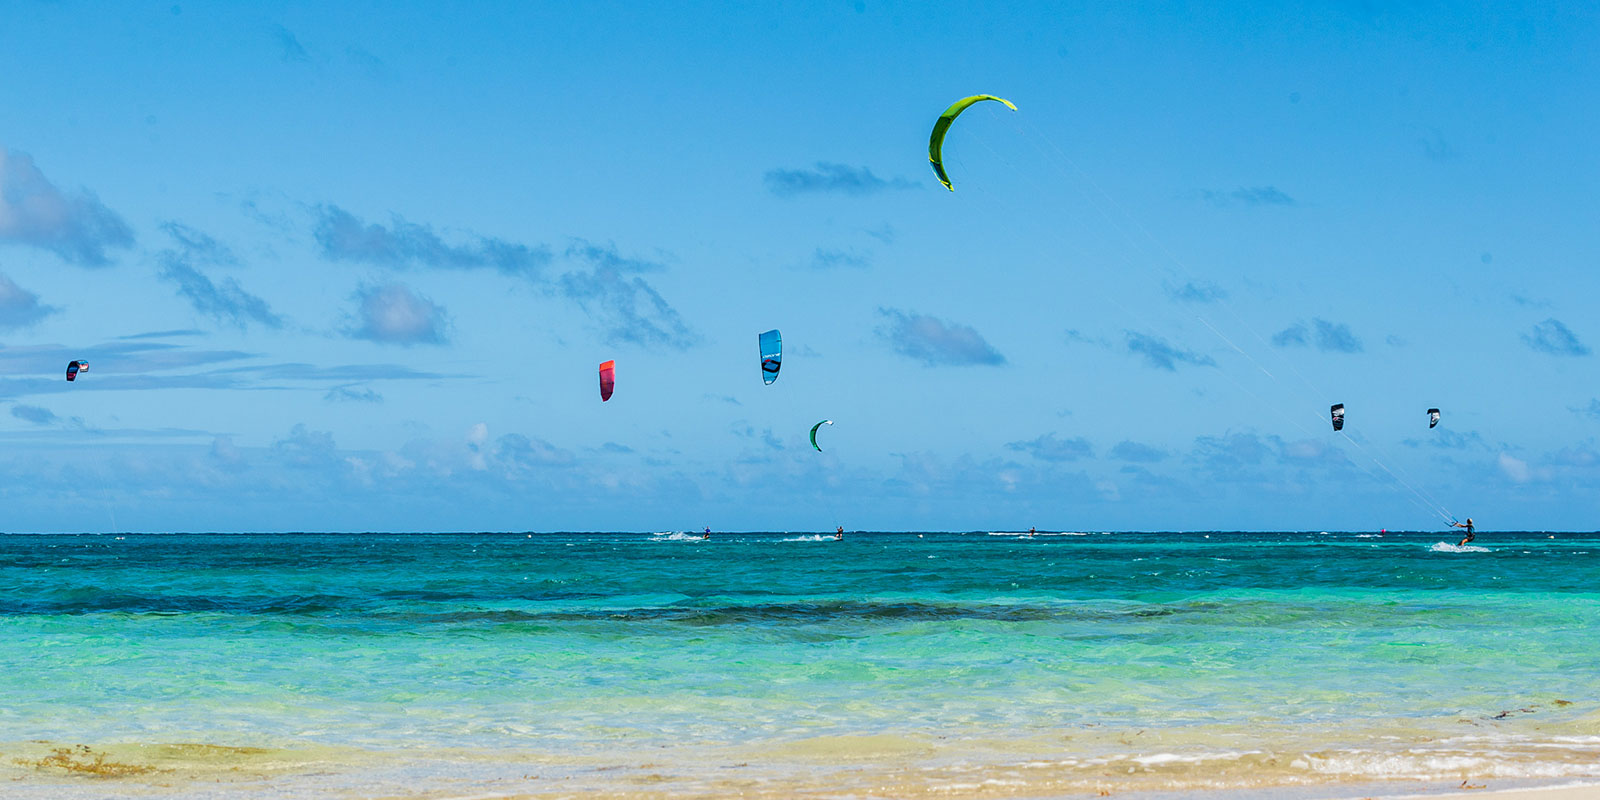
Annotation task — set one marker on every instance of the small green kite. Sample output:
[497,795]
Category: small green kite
[936,141]
[814,433]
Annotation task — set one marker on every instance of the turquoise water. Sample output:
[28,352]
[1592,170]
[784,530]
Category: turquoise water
[784,663]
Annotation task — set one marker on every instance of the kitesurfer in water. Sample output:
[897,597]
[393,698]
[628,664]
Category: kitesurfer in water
[707,534]
[1468,526]
[838,535]
[1030,533]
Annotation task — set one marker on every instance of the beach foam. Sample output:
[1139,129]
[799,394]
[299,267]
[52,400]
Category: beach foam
[1446,547]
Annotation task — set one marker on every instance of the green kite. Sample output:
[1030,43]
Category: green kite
[936,141]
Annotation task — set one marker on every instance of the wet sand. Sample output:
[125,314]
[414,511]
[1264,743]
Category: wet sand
[1589,791]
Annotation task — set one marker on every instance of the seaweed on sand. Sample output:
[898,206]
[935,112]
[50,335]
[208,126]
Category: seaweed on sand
[81,760]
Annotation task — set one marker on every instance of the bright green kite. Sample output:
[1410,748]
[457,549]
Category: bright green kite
[936,141]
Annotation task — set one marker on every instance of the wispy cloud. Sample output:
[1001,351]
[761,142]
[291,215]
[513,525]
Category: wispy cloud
[1191,292]
[373,66]
[1553,337]
[1249,196]
[1232,451]
[121,358]
[400,244]
[1335,337]
[744,430]
[1049,448]
[1447,439]
[935,342]
[884,233]
[1137,453]
[393,314]
[606,285]
[226,302]
[198,247]
[825,177]
[1160,354]
[352,394]
[289,46]
[306,448]
[1296,335]
[294,371]
[1075,335]
[1514,468]
[19,307]
[523,453]
[606,256]
[1436,147]
[34,414]
[627,308]
[163,334]
[1330,337]
[33,211]
[146,365]
[831,258]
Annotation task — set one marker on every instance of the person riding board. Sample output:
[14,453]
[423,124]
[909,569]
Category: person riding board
[1468,526]
[707,534]
[838,535]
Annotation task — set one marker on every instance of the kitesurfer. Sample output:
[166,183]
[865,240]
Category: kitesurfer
[838,534]
[1030,533]
[707,534]
[1468,526]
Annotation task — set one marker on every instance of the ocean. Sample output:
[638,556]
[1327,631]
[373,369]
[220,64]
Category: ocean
[637,665]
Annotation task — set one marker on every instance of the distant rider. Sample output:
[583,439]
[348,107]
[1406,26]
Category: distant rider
[707,534]
[1468,526]
[838,535]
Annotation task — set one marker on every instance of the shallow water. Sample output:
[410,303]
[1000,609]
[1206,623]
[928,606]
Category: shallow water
[788,664]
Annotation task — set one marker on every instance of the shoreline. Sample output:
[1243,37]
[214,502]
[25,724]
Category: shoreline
[209,772]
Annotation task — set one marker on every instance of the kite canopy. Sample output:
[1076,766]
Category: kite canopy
[814,432]
[771,355]
[1338,416]
[75,367]
[608,379]
[1433,417]
[936,141]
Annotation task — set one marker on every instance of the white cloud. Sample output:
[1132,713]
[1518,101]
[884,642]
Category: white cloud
[393,314]
[1515,468]
[33,211]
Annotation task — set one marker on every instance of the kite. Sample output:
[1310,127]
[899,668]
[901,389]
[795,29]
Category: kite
[75,367]
[608,379]
[814,432]
[1433,417]
[936,141]
[1338,416]
[771,355]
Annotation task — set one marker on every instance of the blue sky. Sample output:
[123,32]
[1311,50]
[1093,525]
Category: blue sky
[352,266]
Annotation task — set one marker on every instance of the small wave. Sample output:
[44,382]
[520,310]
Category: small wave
[1025,534]
[815,537]
[1446,547]
[674,536]
[1369,536]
